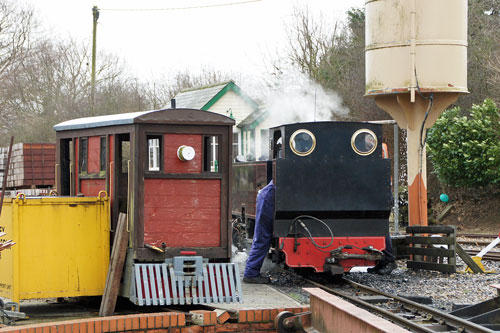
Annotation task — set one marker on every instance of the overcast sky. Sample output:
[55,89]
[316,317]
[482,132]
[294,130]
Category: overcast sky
[231,38]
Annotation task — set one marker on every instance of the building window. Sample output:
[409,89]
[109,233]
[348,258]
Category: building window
[154,153]
[84,154]
[250,146]
[264,144]
[103,154]
[235,145]
[211,154]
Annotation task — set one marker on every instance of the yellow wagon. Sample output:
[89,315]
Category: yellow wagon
[62,247]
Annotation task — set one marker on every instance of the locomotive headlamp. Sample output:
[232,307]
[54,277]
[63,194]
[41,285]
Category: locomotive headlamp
[364,142]
[302,142]
[185,153]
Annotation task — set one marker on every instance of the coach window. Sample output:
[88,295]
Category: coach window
[84,154]
[154,152]
[364,142]
[211,154]
[103,154]
[302,142]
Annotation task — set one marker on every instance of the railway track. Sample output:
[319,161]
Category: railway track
[481,241]
[478,235]
[476,239]
[473,242]
[411,315]
[493,256]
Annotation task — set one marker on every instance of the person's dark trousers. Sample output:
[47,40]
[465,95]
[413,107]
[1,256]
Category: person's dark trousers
[388,252]
[263,231]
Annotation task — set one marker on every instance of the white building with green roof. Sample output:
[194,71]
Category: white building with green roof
[228,99]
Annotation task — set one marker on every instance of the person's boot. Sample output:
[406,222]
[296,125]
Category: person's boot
[376,268]
[388,268]
[257,279]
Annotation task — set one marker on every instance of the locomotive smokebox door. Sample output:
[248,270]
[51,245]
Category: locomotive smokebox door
[332,189]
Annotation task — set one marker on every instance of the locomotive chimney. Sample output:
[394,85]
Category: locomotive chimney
[172,103]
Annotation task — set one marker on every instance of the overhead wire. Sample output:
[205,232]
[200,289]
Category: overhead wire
[178,8]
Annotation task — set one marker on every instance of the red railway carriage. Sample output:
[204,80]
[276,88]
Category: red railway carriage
[170,171]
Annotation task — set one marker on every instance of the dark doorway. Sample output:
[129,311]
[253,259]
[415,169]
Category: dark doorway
[66,158]
[121,175]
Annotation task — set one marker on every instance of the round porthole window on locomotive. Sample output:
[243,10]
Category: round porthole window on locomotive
[302,142]
[364,142]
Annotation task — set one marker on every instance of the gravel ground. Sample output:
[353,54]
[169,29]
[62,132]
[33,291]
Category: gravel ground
[445,290]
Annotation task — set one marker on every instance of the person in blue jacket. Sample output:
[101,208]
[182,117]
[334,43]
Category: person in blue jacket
[262,235]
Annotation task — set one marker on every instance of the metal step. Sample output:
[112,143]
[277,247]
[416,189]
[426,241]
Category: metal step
[165,284]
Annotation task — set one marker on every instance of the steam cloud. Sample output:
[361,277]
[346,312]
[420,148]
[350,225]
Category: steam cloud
[299,99]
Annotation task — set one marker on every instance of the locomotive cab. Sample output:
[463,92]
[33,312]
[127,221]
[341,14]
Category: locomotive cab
[333,195]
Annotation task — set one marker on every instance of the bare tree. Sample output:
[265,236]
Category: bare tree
[308,41]
[53,85]
[335,59]
[482,52]
[17,25]
[159,93]
[493,66]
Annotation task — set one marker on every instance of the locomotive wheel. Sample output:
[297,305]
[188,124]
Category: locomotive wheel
[279,322]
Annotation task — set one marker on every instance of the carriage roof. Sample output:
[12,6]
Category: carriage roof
[166,116]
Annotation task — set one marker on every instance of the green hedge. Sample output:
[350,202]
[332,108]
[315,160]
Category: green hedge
[465,150]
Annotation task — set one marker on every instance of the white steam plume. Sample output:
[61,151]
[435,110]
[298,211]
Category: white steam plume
[299,99]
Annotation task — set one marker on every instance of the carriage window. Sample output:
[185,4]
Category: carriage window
[277,145]
[211,154]
[364,142]
[302,142]
[154,153]
[103,154]
[84,153]
[125,153]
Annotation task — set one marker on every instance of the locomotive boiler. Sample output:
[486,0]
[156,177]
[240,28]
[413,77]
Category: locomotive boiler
[333,195]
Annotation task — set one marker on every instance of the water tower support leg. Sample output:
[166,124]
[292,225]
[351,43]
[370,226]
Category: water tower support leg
[411,117]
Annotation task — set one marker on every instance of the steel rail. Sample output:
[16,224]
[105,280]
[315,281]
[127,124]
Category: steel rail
[456,322]
[478,235]
[473,242]
[385,313]
[493,256]
[439,316]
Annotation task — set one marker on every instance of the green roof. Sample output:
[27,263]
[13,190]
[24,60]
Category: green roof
[204,97]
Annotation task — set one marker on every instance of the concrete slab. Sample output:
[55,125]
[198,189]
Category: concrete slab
[260,296]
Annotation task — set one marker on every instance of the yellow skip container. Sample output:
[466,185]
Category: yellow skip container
[62,247]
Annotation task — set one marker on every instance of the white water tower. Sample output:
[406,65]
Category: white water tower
[416,66]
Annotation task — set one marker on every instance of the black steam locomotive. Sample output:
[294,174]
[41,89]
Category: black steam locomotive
[333,195]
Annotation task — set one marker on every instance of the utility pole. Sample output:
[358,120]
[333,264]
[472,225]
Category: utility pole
[95,14]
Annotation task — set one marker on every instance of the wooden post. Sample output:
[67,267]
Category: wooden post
[468,260]
[6,173]
[116,262]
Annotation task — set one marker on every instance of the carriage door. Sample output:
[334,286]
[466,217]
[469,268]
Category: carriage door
[66,162]
[121,175]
